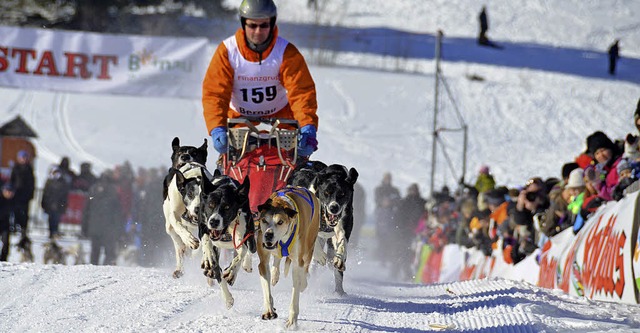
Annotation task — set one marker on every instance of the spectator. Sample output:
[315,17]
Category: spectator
[85,179]
[463,230]
[54,199]
[614,55]
[104,218]
[386,198]
[410,209]
[65,171]
[23,182]
[484,26]
[5,216]
[148,211]
[556,218]
[485,181]
[603,175]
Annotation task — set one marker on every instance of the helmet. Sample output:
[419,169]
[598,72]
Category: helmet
[258,9]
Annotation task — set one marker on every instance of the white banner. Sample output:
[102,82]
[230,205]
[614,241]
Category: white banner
[85,62]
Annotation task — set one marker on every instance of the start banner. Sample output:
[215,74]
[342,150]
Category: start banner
[44,59]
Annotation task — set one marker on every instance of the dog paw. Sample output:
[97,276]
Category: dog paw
[213,273]
[247,264]
[269,315]
[177,274]
[229,276]
[291,323]
[210,282]
[194,243]
[229,302]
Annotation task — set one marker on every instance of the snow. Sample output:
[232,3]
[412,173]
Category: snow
[541,96]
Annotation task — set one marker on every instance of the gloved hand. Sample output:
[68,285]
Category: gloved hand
[307,142]
[219,139]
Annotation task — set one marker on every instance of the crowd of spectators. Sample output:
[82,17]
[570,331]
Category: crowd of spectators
[118,211]
[514,221]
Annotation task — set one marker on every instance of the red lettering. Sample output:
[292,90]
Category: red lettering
[603,269]
[104,61]
[77,60]
[547,276]
[620,265]
[4,63]
[47,62]
[23,54]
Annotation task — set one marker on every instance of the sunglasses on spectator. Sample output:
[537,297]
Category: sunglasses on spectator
[253,26]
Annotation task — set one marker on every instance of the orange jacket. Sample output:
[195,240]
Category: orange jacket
[294,75]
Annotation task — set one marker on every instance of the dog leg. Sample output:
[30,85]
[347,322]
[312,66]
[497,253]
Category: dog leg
[231,272]
[186,235]
[340,245]
[299,284]
[210,259]
[180,249]
[247,263]
[339,277]
[318,253]
[226,294]
[275,271]
[263,267]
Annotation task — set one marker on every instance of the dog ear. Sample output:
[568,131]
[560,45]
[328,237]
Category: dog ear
[204,145]
[175,144]
[217,173]
[207,186]
[352,176]
[265,206]
[244,188]
[180,180]
[290,212]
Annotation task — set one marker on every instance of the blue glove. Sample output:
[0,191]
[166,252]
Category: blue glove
[307,142]
[219,139]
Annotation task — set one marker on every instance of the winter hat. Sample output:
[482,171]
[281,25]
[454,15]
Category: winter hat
[496,196]
[484,169]
[576,179]
[23,154]
[567,168]
[631,147]
[599,140]
[624,164]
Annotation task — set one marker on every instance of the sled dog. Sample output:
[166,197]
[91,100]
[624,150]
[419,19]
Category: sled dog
[182,200]
[288,226]
[333,185]
[226,223]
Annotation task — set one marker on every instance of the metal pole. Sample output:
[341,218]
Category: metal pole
[435,112]
[464,152]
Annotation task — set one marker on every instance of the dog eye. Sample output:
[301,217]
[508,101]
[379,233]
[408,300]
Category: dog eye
[280,222]
[225,207]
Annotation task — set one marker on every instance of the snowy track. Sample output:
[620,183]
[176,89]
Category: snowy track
[108,299]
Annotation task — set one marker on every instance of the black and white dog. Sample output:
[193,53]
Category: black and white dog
[226,222]
[182,193]
[333,185]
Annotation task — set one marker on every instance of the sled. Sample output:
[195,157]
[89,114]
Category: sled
[265,150]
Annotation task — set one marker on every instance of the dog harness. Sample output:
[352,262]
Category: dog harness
[302,192]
